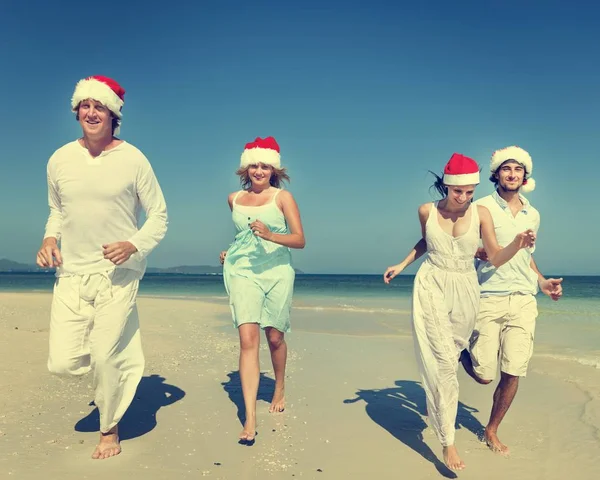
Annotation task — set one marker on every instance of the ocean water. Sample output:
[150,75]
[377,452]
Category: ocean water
[568,329]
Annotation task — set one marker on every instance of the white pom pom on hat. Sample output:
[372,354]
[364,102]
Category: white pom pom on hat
[528,185]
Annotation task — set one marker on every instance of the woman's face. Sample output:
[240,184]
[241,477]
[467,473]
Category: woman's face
[260,174]
[460,195]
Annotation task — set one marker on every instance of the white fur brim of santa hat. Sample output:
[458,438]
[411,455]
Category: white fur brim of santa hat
[461,170]
[465,179]
[262,150]
[103,90]
[518,155]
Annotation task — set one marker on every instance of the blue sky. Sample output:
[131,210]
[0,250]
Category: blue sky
[363,97]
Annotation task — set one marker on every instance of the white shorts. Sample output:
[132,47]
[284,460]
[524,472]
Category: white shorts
[504,332]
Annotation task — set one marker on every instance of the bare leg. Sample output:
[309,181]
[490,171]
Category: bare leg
[249,375]
[465,359]
[278,349]
[451,458]
[503,397]
[109,445]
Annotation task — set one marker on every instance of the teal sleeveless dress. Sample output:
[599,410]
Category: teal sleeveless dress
[258,274]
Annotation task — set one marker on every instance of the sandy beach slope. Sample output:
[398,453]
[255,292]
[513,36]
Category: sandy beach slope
[355,407]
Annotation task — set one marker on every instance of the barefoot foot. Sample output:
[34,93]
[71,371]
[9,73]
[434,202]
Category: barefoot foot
[278,402]
[494,443]
[451,458]
[249,432]
[108,446]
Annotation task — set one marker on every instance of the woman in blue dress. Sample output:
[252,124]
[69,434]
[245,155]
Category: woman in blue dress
[257,269]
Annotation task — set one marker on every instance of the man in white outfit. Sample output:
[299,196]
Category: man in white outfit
[97,186]
[505,326]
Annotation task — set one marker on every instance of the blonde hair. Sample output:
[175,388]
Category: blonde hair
[278,176]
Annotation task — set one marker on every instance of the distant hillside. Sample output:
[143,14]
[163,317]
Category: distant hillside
[187,269]
[10,266]
[7,265]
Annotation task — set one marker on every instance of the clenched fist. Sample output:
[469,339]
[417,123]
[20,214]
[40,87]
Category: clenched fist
[118,252]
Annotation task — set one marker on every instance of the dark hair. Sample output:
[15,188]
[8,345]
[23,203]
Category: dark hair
[116,122]
[439,185]
[278,176]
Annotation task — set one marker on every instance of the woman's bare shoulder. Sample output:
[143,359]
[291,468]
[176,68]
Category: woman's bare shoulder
[425,208]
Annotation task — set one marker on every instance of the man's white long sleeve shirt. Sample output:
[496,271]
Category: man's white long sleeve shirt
[95,201]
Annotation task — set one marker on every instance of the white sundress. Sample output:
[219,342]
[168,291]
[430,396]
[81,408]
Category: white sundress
[444,309]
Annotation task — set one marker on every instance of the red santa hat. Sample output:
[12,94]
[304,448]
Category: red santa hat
[516,154]
[461,170]
[102,89]
[261,150]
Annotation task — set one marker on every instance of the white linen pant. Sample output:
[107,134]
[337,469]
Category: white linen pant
[445,306]
[94,326]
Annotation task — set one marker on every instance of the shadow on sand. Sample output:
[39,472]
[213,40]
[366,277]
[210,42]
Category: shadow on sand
[233,387]
[152,394]
[400,411]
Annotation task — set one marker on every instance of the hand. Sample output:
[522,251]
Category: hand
[391,272]
[222,256]
[481,254]
[49,254]
[261,230]
[118,252]
[525,239]
[552,287]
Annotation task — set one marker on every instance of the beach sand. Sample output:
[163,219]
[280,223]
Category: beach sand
[355,408]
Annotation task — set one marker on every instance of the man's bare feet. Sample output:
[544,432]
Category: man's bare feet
[494,443]
[451,458]
[278,402]
[249,431]
[108,446]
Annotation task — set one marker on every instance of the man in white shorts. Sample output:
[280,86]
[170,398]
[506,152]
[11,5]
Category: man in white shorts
[505,326]
[97,186]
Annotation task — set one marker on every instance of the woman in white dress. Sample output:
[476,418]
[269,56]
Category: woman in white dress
[446,292]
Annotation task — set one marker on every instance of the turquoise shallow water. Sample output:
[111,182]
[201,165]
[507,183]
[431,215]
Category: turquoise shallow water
[567,328]
[308,286]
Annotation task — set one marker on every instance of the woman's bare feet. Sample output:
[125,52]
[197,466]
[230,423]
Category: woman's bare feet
[278,402]
[249,432]
[494,443]
[451,458]
[108,446]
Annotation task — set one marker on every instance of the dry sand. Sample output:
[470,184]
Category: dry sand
[355,407]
